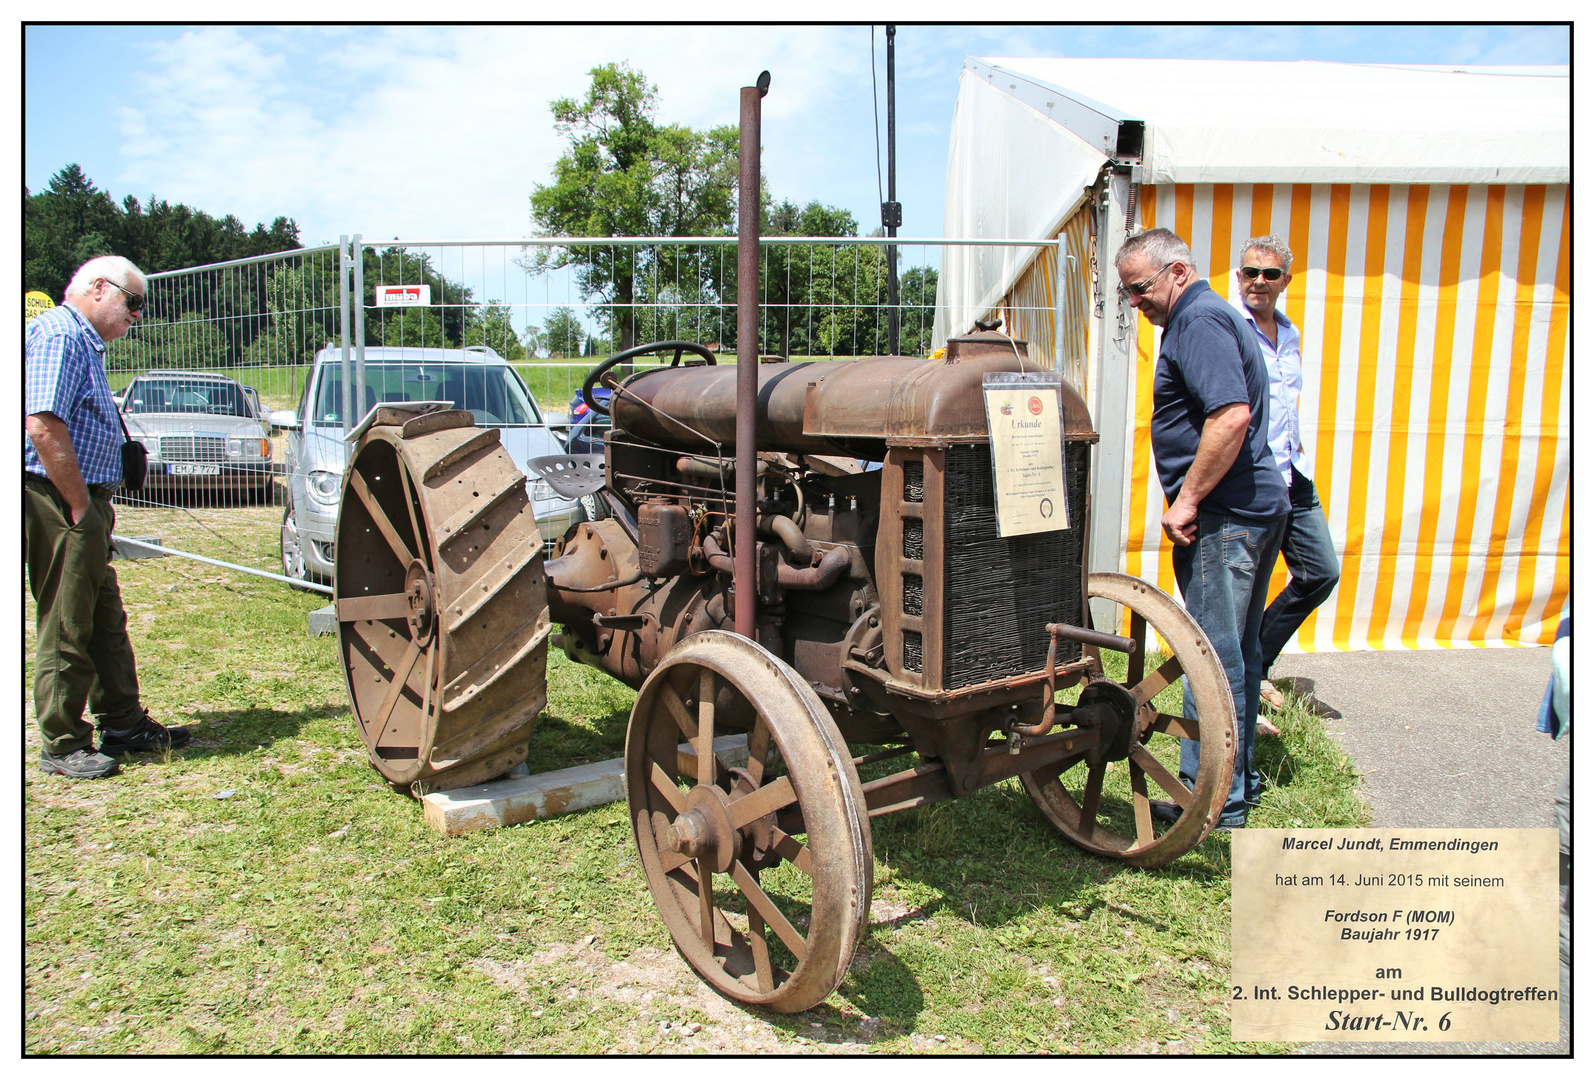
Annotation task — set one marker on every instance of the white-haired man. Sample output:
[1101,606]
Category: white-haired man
[72,465]
[1226,502]
[1308,549]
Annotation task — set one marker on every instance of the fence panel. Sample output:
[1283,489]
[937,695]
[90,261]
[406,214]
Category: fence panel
[553,308]
[218,348]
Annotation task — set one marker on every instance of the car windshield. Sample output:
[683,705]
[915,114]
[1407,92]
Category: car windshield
[493,393]
[177,395]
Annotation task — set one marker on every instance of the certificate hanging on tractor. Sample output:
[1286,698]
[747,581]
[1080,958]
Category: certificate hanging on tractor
[1022,414]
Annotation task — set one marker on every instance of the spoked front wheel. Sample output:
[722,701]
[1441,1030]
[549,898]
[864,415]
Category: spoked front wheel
[763,874]
[1101,800]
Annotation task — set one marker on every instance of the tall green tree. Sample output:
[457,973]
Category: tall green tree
[532,338]
[413,326]
[218,320]
[562,333]
[818,298]
[72,221]
[916,298]
[624,174]
[492,325]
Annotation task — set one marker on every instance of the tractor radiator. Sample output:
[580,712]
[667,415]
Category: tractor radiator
[1001,594]
[961,605]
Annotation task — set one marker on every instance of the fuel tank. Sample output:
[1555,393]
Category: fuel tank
[842,406]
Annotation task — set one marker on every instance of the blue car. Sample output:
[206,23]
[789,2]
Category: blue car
[588,426]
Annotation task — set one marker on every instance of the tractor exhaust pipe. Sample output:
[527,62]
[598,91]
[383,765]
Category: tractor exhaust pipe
[747,353]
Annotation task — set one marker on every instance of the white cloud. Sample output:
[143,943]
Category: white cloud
[442,132]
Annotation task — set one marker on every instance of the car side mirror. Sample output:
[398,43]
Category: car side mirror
[283,420]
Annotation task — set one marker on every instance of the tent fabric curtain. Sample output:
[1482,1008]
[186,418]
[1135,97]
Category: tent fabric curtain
[1012,173]
[1029,310]
[1435,340]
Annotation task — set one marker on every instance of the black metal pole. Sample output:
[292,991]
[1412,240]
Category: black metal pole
[744,573]
[894,216]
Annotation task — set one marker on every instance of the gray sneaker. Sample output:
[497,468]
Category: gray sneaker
[82,764]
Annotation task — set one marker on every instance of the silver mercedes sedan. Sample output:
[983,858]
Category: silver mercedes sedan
[203,432]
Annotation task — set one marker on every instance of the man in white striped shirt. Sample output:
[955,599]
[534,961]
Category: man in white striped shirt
[1308,549]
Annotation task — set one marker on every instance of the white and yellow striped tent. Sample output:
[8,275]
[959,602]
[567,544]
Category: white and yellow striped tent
[1428,213]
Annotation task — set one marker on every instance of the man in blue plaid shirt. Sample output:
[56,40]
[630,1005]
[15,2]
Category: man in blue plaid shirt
[72,465]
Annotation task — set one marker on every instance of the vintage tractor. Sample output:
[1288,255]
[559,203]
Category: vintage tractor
[892,621]
[805,553]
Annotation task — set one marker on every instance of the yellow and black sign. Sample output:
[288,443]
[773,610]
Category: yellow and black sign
[36,303]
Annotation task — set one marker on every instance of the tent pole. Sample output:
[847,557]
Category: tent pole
[1115,338]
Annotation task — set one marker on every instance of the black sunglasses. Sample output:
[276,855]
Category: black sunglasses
[135,301]
[1270,273]
[1139,288]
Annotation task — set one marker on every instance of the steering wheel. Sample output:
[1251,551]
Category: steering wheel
[638,350]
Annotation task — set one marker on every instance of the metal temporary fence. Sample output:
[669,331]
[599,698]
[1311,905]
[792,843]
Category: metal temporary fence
[552,307]
[218,348]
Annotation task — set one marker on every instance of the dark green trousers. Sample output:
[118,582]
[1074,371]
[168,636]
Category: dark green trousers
[84,656]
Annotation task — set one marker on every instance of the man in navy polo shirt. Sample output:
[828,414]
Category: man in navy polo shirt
[72,465]
[1227,503]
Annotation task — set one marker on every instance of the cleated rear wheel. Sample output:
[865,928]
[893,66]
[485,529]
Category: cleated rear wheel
[441,602]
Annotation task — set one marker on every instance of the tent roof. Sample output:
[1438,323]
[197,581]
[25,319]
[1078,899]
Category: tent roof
[1234,121]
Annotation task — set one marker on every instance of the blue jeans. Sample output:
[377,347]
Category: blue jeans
[1223,579]
[1309,554]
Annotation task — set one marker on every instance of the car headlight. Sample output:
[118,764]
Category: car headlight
[249,449]
[152,445]
[542,491]
[324,486]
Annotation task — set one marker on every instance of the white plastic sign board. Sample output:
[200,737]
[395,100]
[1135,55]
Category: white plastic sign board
[1024,413]
[404,296]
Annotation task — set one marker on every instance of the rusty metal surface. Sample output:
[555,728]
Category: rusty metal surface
[822,407]
[712,840]
[701,406]
[745,608]
[442,615]
[1078,795]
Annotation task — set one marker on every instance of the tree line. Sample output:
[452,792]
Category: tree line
[72,221]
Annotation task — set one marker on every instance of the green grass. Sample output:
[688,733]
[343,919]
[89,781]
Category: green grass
[265,892]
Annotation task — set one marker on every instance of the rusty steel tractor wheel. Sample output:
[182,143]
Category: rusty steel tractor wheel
[1101,800]
[441,603]
[763,874]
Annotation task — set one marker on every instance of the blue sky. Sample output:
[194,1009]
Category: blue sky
[440,132]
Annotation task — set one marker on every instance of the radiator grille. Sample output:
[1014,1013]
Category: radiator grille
[914,481]
[913,651]
[913,538]
[1000,594]
[913,594]
[192,448]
